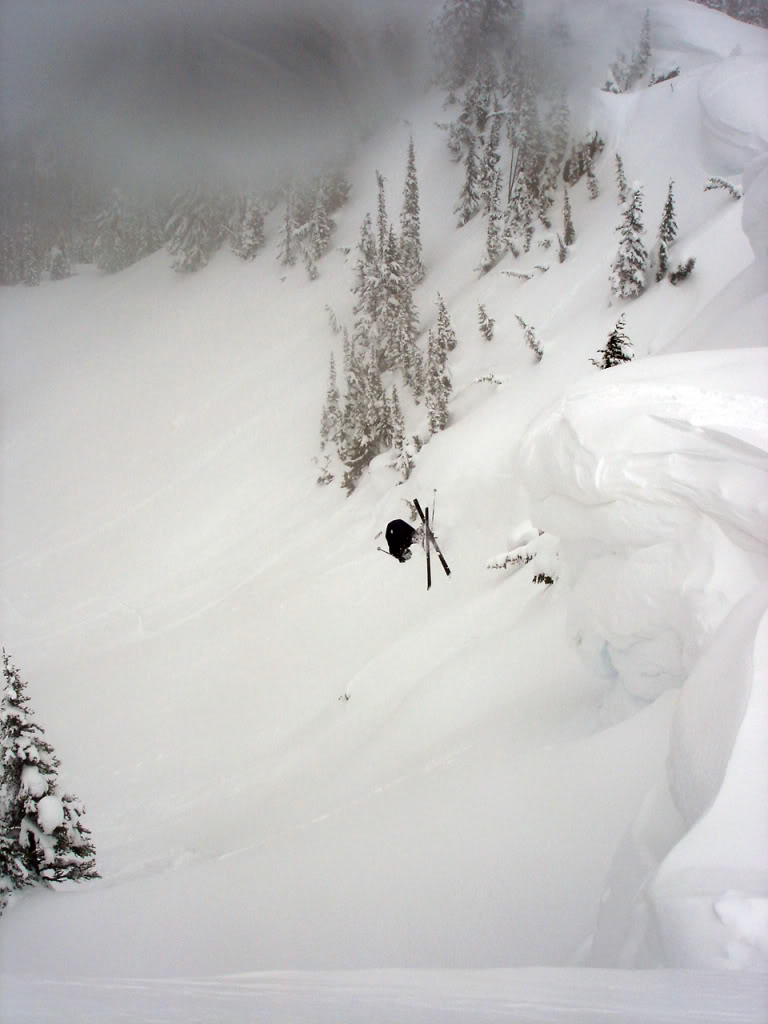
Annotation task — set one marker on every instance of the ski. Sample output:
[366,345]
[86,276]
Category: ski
[426,548]
[434,543]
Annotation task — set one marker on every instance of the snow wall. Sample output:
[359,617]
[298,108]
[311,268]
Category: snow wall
[654,477]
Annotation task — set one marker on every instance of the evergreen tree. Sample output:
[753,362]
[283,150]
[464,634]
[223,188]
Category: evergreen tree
[593,188]
[641,58]
[529,334]
[617,349]
[569,233]
[31,264]
[288,247]
[485,322]
[404,451]
[367,418]
[562,251]
[249,231]
[438,385]
[667,234]
[382,220]
[489,167]
[630,266]
[621,181]
[46,840]
[10,261]
[410,222]
[493,240]
[445,332]
[469,197]
[61,268]
[519,216]
[320,227]
[195,230]
[112,246]
[558,136]
[465,31]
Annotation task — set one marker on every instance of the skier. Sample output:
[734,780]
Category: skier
[400,535]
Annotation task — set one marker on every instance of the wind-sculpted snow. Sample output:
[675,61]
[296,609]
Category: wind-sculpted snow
[655,478]
[734,126]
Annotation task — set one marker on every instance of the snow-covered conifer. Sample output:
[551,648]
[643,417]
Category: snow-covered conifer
[331,425]
[444,327]
[529,334]
[60,266]
[519,216]
[490,161]
[562,250]
[569,233]
[249,231]
[667,234]
[48,838]
[438,385]
[593,187]
[288,244]
[194,230]
[621,181]
[404,450]
[618,348]
[469,197]
[717,182]
[410,222]
[630,266]
[320,227]
[31,263]
[682,271]
[485,322]
[382,220]
[493,240]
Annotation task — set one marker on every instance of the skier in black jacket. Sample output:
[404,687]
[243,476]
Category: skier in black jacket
[400,535]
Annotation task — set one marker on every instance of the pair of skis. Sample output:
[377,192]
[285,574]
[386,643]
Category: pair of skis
[429,540]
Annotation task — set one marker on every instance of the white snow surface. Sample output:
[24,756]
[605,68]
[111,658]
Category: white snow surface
[537,803]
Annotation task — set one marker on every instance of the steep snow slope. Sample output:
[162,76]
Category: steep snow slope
[516,778]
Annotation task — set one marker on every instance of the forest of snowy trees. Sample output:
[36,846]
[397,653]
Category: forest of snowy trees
[507,123]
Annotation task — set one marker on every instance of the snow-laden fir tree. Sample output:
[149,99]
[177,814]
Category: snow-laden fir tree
[621,181]
[60,266]
[569,233]
[382,219]
[593,188]
[331,418]
[444,327]
[518,220]
[667,234]
[405,454]
[195,230]
[469,197]
[367,418]
[320,227]
[494,245]
[529,335]
[617,350]
[557,139]
[562,250]
[438,384]
[249,229]
[630,267]
[410,222]
[112,245]
[49,841]
[288,242]
[485,323]
[489,165]
[31,263]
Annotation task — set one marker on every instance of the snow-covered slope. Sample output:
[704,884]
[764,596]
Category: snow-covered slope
[522,775]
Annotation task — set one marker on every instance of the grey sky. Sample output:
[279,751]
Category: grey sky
[160,86]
